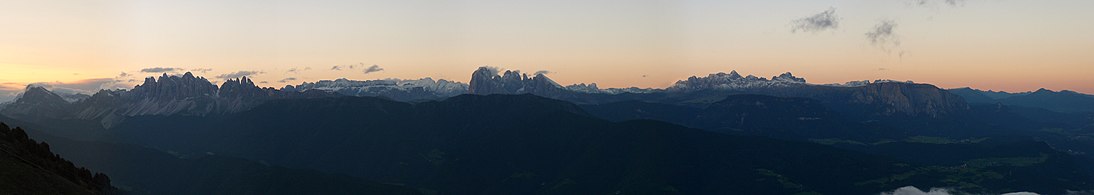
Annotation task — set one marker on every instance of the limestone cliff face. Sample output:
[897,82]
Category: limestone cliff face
[486,81]
[908,98]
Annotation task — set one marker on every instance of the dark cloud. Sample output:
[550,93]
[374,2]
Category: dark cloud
[239,74]
[336,67]
[883,36]
[161,70]
[373,68]
[818,22]
[286,80]
[543,72]
[124,75]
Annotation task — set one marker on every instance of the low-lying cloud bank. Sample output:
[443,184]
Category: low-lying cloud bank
[912,190]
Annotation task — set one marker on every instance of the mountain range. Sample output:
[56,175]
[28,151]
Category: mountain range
[512,133]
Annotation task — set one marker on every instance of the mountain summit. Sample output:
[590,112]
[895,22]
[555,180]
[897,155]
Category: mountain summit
[734,81]
[485,80]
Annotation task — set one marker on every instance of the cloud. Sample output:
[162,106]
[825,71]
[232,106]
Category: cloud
[492,69]
[124,75]
[238,74]
[336,67]
[201,70]
[883,36]
[912,190]
[373,68]
[543,72]
[161,70]
[286,80]
[9,90]
[86,86]
[934,2]
[818,22]
[297,70]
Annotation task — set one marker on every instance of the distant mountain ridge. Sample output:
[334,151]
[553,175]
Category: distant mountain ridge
[1058,101]
[188,94]
[168,95]
[879,98]
[398,89]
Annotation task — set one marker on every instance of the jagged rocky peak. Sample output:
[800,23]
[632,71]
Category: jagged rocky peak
[734,81]
[39,95]
[486,80]
[582,87]
[399,89]
[174,87]
[788,77]
[241,88]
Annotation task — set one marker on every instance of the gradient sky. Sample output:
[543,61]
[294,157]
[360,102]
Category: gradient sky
[1012,45]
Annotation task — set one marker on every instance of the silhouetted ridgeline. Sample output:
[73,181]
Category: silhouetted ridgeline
[28,167]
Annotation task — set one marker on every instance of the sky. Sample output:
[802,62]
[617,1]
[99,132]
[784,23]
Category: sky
[1010,45]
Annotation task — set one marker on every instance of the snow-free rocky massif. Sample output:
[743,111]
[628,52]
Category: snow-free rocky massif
[716,134]
[191,95]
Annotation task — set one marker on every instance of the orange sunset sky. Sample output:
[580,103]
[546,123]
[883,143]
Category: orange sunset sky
[1011,45]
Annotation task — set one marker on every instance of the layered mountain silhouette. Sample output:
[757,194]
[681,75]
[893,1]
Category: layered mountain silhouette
[512,133]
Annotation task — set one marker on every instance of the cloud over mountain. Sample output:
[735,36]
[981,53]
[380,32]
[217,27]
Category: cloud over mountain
[160,70]
[238,74]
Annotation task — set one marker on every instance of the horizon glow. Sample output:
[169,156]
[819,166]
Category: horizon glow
[1012,45]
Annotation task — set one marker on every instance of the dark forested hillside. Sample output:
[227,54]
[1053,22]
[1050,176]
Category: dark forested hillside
[29,167]
[520,144]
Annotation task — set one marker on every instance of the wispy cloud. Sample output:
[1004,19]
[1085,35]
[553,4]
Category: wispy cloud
[238,74]
[936,2]
[826,20]
[912,190]
[373,68]
[161,70]
[286,80]
[543,72]
[295,70]
[201,70]
[883,36]
[353,66]
[86,86]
